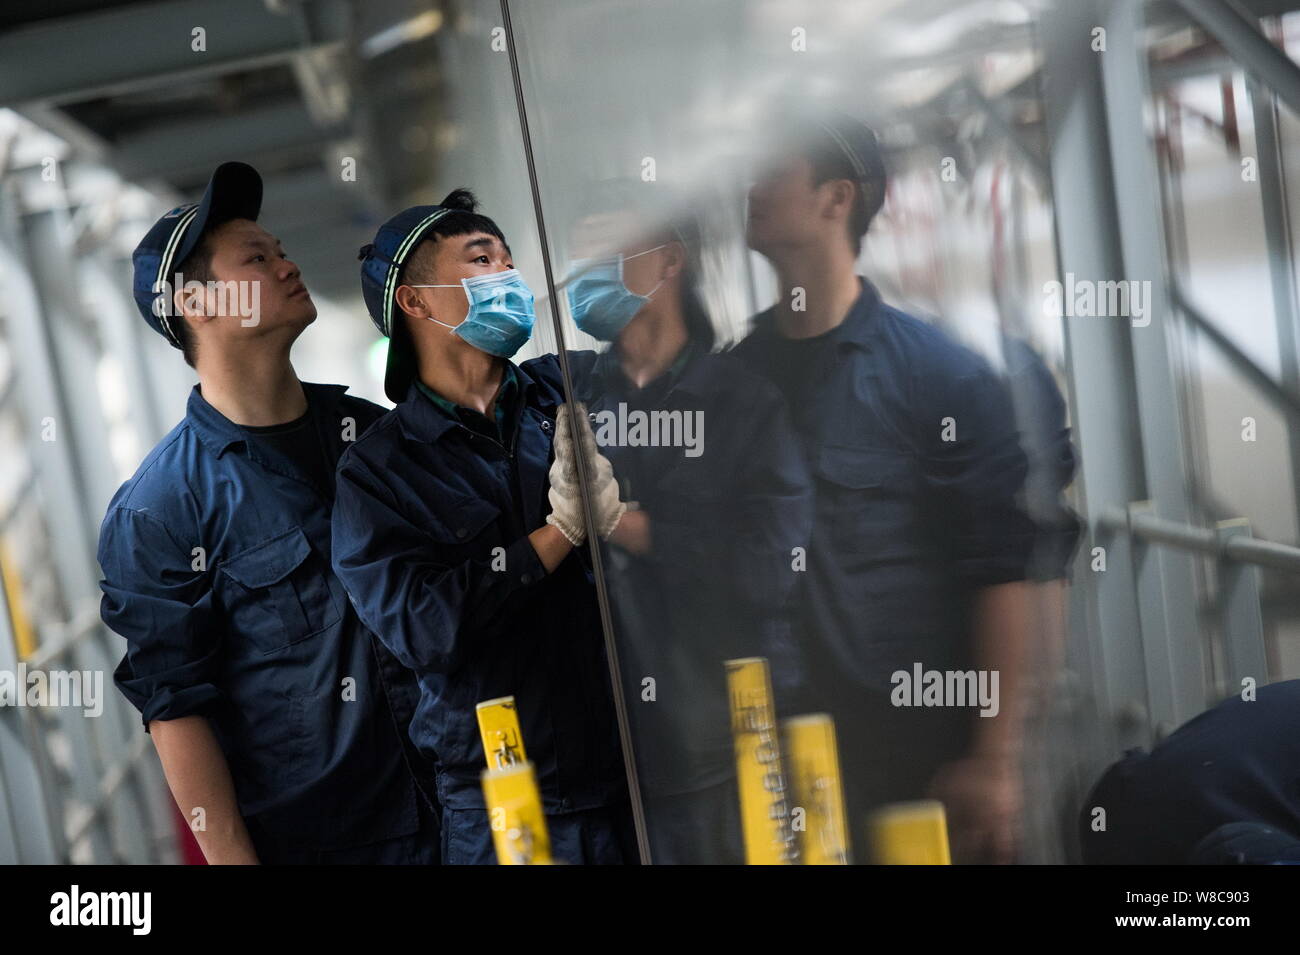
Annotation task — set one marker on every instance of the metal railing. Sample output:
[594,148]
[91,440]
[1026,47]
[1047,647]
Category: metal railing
[1238,555]
[1240,547]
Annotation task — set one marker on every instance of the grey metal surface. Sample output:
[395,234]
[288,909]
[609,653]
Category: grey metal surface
[1286,401]
[1166,580]
[1242,622]
[193,147]
[28,809]
[1101,389]
[1281,255]
[47,327]
[1234,26]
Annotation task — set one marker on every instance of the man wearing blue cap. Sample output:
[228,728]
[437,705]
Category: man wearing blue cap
[279,721]
[460,553]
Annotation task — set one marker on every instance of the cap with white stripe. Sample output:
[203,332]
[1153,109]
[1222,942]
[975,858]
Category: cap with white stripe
[234,192]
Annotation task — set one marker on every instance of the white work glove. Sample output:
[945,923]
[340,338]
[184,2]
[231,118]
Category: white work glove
[566,501]
[605,501]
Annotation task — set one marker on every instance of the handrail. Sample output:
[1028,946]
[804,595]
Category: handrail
[1244,550]
[66,636]
[112,780]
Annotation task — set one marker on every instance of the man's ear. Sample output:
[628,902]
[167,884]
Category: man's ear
[409,301]
[840,194]
[191,303]
[674,260]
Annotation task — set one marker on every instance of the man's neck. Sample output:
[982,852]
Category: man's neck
[464,376]
[650,344]
[823,282]
[253,386]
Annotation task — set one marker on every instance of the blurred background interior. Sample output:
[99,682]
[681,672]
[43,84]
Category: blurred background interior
[1171,156]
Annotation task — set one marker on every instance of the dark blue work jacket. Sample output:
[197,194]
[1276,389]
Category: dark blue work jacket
[431,532]
[726,514]
[909,525]
[1238,763]
[216,561]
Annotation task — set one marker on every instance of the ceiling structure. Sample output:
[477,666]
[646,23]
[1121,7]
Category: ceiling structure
[300,87]
[293,88]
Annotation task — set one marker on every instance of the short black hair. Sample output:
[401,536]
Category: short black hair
[464,220]
[197,267]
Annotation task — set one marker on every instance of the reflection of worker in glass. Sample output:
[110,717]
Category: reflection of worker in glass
[700,568]
[918,552]
[445,541]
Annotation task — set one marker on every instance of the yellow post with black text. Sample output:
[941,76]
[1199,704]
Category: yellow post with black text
[760,774]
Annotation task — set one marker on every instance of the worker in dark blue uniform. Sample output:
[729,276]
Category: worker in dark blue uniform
[458,547]
[1222,788]
[700,571]
[919,546]
[264,694]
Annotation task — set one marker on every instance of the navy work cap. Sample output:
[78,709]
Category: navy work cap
[381,265]
[234,192]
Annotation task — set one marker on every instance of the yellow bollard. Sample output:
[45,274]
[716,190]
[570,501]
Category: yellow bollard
[11,580]
[910,833]
[817,792]
[498,726]
[764,809]
[514,808]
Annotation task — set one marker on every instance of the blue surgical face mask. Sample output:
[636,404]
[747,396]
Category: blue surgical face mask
[500,318]
[600,303]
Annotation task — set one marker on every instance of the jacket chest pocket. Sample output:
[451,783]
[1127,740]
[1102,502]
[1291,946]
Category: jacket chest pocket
[867,499]
[468,531]
[278,592]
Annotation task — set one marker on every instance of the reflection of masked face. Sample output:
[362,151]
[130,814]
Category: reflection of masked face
[600,303]
[500,317]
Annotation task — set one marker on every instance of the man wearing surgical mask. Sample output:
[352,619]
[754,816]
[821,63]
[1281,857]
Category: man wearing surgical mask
[460,553]
[699,572]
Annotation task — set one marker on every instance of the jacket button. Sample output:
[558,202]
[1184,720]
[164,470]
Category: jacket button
[525,578]
[461,532]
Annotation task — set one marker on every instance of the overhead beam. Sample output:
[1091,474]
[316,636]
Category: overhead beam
[195,144]
[1238,32]
[72,59]
[1162,12]
[301,194]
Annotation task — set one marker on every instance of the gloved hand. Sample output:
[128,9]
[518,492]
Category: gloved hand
[566,501]
[609,507]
